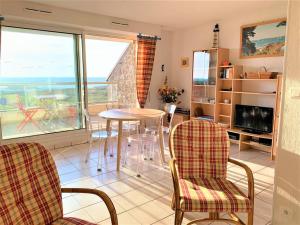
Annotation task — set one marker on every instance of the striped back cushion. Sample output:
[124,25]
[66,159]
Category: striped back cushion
[29,185]
[201,149]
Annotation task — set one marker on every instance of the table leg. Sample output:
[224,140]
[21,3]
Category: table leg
[106,141]
[161,140]
[120,134]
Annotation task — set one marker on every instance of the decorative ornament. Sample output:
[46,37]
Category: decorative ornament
[216,36]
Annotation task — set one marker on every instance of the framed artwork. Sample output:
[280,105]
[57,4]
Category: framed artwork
[185,62]
[265,39]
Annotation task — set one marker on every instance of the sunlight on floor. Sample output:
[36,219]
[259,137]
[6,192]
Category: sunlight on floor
[146,200]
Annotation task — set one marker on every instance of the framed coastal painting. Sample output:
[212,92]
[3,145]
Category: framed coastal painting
[265,39]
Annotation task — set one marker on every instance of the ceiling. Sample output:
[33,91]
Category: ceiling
[170,14]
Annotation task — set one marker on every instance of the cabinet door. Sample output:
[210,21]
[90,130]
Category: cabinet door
[201,67]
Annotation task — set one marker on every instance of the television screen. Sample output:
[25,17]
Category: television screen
[254,118]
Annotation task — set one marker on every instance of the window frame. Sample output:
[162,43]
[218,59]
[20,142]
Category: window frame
[79,77]
[70,137]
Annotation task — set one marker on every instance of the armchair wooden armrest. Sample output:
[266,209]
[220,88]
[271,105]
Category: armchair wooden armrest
[175,201]
[110,206]
[249,176]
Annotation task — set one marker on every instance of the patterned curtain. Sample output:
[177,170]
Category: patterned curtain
[145,59]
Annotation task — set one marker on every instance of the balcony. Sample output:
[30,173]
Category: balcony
[34,108]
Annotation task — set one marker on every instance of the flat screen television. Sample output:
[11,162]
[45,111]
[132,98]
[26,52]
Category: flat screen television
[254,119]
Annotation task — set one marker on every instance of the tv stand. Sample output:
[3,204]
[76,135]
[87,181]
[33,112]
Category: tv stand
[253,131]
[245,139]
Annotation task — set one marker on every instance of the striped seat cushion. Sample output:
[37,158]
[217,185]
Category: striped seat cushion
[212,195]
[29,185]
[71,221]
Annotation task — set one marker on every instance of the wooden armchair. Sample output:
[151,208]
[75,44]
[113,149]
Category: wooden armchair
[30,191]
[199,151]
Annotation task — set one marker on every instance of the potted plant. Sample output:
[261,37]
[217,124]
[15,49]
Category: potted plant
[169,95]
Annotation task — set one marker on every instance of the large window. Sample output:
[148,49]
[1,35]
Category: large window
[102,57]
[39,82]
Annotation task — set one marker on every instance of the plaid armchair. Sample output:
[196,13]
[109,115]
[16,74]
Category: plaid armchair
[30,191]
[199,151]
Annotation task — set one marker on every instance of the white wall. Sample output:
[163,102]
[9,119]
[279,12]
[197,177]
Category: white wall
[185,41]
[15,10]
[286,207]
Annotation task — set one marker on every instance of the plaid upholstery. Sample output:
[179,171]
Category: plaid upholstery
[201,149]
[29,185]
[71,221]
[145,59]
[212,195]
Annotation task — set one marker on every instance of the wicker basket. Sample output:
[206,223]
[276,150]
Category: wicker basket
[252,75]
[265,75]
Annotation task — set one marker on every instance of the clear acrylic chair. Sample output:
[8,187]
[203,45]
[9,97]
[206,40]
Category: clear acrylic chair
[97,132]
[170,111]
[170,114]
[145,143]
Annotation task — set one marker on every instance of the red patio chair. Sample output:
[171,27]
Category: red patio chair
[28,114]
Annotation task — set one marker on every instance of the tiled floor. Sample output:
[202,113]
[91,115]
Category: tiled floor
[146,200]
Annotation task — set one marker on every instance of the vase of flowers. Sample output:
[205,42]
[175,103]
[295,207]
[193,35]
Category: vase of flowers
[169,95]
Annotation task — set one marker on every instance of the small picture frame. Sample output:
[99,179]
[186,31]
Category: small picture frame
[184,62]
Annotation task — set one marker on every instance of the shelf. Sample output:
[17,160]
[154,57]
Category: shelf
[226,91]
[221,115]
[239,131]
[221,103]
[226,79]
[254,93]
[256,144]
[234,141]
[203,103]
[256,79]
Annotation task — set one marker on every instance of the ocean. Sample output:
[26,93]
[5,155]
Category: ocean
[46,80]
[16,84]
[263,42]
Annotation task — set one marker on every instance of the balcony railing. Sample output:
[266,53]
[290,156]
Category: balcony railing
[28,109]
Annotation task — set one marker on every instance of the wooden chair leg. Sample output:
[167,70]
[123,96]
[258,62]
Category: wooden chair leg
[250,218]
[173,202]
[178,217]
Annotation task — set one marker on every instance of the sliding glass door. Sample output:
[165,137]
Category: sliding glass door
[39,82]
[103,56]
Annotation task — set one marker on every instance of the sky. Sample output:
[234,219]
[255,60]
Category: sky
[201,65]
[268,31]
[27,53]
[102,56]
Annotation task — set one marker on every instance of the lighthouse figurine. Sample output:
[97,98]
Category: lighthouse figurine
[216,36]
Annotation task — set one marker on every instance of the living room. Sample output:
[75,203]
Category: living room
[138,76]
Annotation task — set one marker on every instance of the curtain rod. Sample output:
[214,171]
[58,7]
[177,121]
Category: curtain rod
[148,37]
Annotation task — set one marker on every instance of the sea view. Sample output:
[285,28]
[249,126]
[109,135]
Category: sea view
[29,89]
